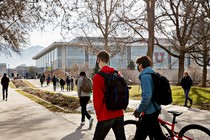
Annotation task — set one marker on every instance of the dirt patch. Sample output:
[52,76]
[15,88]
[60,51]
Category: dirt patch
[68,103]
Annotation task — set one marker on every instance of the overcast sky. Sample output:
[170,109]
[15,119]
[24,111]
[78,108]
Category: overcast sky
[45,38]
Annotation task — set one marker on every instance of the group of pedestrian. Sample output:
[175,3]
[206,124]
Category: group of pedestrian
[70,83]
[56,82]
[114,119]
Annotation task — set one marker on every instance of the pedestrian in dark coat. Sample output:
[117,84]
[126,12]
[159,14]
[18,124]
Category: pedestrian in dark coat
[54,81]
[68,83]
[186,84]
[72,83]
[62,83]
[42,79]
[5,83]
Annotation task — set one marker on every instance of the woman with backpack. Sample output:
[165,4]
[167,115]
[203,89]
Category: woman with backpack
[84,88]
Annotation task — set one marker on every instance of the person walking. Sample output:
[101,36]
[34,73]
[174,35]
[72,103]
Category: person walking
[42,79]
[68,83]
[62,83]
[72,83]
[151,110]
[48,80]
[186,83]
[5,83]
[84,98]
[54,80]
[107,119]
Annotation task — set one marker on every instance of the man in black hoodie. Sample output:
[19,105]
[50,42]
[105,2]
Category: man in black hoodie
[5,83]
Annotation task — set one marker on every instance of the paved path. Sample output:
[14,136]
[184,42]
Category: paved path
[21,118]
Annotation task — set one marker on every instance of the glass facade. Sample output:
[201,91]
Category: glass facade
[74,55]
[92,60]
[67,56]
[119,61]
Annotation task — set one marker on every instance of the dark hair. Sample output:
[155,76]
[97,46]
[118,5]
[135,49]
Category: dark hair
[145,61]
[82,73]
[103,56]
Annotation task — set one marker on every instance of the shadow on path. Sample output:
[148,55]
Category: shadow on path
[77,135]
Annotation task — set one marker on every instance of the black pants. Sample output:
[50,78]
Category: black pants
[150,126]
[103,127]
[68,87]
[83,103]
[54,87]
[5,90]
[62,87]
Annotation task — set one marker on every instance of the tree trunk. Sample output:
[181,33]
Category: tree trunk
[204,74]
[106,44]
[150,21]
[181,68]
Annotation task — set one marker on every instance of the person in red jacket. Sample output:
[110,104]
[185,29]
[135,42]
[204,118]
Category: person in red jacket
[107,119]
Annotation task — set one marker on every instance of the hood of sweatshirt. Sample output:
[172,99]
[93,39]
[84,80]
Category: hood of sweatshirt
[107,69]
[147,70]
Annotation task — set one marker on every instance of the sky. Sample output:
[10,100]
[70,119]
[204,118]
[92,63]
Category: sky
[45,38]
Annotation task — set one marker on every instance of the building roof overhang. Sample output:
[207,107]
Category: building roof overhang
[53,46]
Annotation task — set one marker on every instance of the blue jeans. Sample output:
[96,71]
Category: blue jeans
[103,127]
[186,93]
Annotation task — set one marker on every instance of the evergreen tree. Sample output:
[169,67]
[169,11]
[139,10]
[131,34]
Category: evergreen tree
[131,65]
[95,70]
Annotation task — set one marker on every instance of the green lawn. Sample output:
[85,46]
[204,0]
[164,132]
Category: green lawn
[199,95]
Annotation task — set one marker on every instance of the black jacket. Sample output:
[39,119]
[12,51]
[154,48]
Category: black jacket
[186,82]
[5,81]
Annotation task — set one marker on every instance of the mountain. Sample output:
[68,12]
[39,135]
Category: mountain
[24,59]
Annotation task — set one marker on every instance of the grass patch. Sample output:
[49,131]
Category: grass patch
[11,85]
[134,92]
[28,83]
[49,106]
[199,95]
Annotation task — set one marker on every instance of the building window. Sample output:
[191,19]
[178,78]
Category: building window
[75,55]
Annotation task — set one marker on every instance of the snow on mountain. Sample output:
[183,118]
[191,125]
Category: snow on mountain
[24,59]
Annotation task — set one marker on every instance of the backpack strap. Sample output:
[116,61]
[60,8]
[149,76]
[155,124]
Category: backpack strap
[105,76]
[102,74]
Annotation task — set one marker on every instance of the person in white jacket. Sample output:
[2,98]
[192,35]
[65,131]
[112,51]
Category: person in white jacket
[84,98]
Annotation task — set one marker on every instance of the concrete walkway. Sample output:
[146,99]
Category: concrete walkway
[21,118]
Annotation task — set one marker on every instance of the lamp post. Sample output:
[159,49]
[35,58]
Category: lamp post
[51,69]
[8,70]
[46,67]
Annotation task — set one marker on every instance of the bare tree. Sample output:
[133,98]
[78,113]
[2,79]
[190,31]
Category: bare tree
[201,36]
[19,17]
[176,21]
[151,24]
[95,18]
[140,17]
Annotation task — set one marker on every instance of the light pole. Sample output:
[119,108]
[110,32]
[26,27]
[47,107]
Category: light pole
[8,70]
[46,68]
[51,69]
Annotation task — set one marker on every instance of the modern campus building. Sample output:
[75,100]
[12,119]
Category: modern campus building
[82,50]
